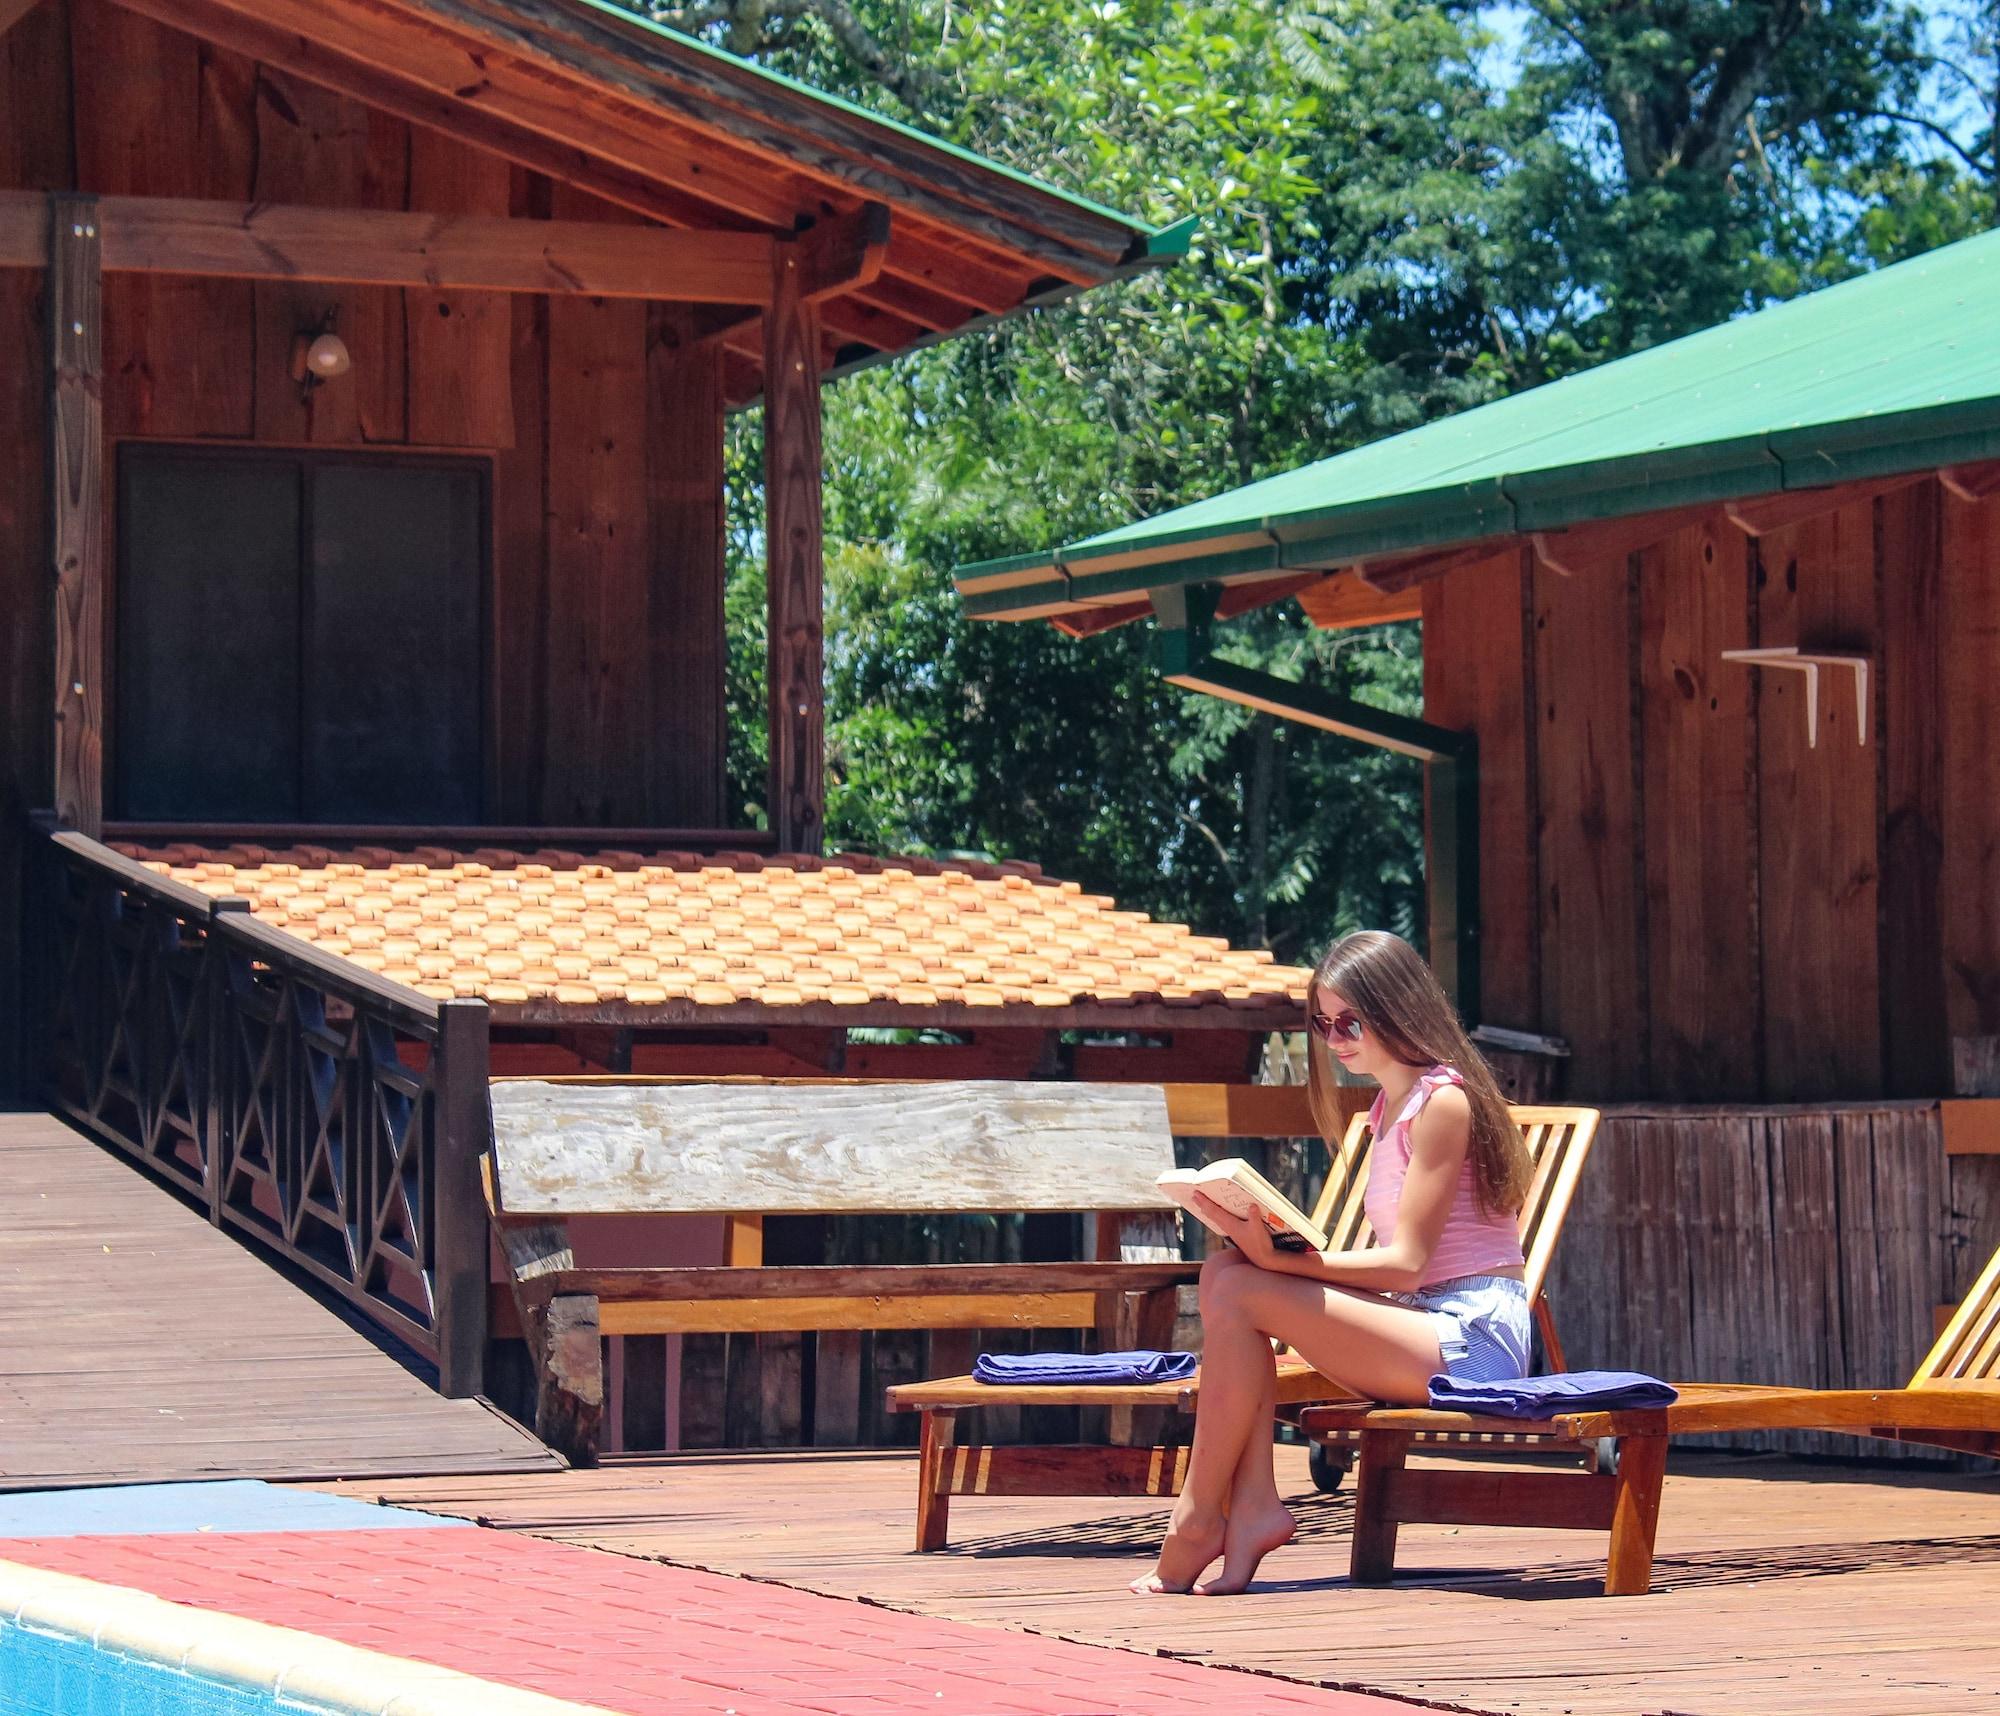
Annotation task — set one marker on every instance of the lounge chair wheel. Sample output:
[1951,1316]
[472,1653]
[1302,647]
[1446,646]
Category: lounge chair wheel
[1607,1455]
[1328,1466]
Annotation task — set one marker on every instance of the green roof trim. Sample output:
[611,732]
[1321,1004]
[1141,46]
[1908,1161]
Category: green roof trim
[1895,371]
[1151,235]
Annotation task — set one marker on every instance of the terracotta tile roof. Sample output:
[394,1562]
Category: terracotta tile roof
[550,934]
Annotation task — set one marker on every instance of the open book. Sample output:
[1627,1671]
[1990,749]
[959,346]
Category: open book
[1241,1190]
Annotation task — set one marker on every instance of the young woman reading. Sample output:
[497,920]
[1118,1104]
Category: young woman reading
[1440,1290]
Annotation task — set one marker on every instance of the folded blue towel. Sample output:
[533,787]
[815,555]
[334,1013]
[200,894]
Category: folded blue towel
[1546,1396]
[1077,1369]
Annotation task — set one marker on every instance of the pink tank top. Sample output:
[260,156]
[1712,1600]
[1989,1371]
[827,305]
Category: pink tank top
[1473,1242]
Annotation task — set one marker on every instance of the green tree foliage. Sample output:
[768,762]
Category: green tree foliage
[1406,208]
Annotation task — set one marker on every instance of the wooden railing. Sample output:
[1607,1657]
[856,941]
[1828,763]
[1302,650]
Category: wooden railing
[333,1116]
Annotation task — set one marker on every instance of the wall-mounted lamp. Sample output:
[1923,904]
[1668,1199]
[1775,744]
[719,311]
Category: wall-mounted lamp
[318,355]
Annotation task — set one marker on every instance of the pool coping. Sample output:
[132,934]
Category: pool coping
[298,1668]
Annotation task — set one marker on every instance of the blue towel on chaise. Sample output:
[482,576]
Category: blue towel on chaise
[1078,1369]
[1546,1396]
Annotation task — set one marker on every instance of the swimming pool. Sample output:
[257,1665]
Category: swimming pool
[75,1647]
[53,1674]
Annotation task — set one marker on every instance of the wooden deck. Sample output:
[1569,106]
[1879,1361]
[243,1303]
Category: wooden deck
[1782,1588]
[138,1344]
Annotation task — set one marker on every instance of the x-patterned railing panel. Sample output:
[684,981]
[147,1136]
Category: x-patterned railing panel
[333,1116]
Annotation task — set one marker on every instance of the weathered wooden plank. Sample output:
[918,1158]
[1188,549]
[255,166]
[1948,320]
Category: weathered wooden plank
[1916,1037]
[575,1149]
[1969,906]
[1696,751]
[1478,665]
[1817,846]
[76,509]
[1590,856]
[794,562]
[167,116]
[685,490]
[461,378]
[596,739]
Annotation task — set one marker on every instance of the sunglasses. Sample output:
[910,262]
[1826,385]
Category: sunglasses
[1346,1023]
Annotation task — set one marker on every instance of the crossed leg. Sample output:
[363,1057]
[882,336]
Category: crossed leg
[1367,1344]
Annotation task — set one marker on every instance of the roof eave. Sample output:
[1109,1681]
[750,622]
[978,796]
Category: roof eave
[1807,457]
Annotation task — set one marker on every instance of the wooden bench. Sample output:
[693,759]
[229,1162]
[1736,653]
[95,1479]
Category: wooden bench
[1559,1141]
[1953,1401]
[746,1148]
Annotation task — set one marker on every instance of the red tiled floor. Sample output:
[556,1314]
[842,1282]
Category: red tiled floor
[650,1640]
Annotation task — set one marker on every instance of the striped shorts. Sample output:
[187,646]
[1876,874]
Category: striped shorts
[1482,1324]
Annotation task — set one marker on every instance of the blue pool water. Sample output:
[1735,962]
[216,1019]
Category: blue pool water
[45,1674]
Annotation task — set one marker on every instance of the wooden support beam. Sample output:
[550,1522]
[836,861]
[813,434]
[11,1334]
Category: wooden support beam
[1393,575]
[1584,546]
[1345,602]
[1972,482]
[376,247]
[843,252]
[76,513]
[1971,1126]
[795,574]
[1759,515]
[639,171]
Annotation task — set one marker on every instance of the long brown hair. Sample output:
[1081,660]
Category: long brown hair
[1398,999]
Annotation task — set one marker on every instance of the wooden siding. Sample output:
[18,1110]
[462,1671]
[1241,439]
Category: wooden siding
[602,420]
[1776,1245]
[1708,906]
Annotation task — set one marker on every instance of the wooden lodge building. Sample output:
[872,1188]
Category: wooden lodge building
[363,375]
[1711,648]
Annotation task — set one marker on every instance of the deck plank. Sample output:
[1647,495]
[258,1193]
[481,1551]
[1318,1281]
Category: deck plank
[143,1346]
[1781,1587]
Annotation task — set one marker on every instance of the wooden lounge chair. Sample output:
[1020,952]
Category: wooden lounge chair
[1953,1401]
[1559,1141]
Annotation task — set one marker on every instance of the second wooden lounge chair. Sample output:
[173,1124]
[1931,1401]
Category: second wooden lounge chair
[1953,1401]
[1559,1141]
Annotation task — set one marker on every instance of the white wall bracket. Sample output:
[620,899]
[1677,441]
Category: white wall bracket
[1810,662]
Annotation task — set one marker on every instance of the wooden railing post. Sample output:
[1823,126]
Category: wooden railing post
[216,1118]
[459,1238]
[76,516]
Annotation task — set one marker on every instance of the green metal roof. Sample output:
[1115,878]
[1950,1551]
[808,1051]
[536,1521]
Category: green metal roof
[1898,370]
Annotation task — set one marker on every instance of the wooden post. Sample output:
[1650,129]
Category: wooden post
[936,1428]
[794,567]
[459,1242]
[1635,1518]
[76,512]
[1372,1554]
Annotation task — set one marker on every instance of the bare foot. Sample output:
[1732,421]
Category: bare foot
[1246,1543]
[1190,1546]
